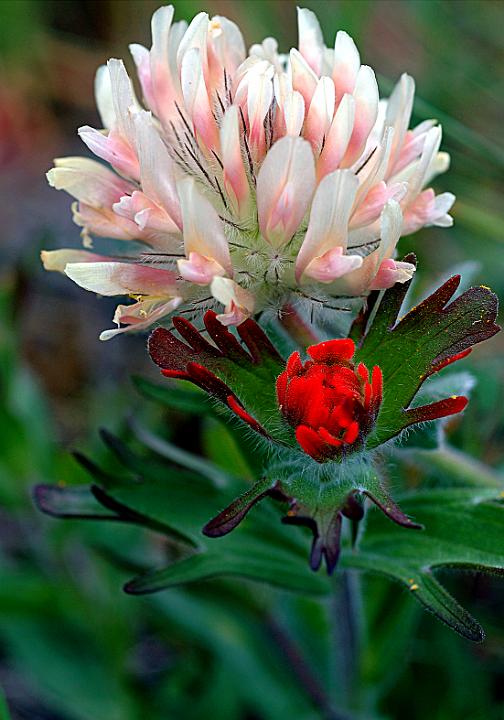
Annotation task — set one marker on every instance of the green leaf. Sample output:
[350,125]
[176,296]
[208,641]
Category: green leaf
[178,503]
[271,566]
[463,529]
[409,350]
[189,400]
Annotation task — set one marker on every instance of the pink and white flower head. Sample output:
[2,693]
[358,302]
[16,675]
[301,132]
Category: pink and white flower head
[244,182]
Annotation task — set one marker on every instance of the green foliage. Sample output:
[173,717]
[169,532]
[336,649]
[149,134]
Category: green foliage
[408,350]
[178,503]
[463,529]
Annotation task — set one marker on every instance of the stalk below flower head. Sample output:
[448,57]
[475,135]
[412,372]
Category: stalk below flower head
[250,181]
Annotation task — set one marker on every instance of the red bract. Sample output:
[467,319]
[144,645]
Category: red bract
[331,403]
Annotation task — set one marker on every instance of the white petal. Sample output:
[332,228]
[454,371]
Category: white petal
[133,313]
[194,37]
[311,41]
[103,96]
[304,79]
[285,186]
[123,100]
[391,228]
[88,181]
[161,24]
[203,231]
[338,137]
[196,99]
[398,114]
[346,64]
[439,165]
[425,164]
[366,98]
[294,113]
[375,169]
[259,99]
[227,42]
[320,114]
[332,265]
[116,278]
[234,174]
[444,202]
[239,303]
[156,168]
[57,260]
[198,269]
[360,281]
[329,216]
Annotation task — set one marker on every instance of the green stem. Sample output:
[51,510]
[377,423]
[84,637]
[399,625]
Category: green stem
[346,616]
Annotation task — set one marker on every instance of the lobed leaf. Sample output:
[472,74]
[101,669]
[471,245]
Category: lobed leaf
[414,347]
[463,529]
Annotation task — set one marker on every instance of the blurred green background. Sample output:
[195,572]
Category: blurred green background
[72,645]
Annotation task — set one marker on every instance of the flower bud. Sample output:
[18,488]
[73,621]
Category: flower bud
[331,403]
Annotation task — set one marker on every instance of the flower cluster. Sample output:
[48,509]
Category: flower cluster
[331,404]
[250,180]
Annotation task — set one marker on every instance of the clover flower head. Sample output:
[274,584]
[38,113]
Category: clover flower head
[245,181]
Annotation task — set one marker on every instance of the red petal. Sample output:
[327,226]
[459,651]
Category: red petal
[167,351]
[329,439]
[368,393]
[258,343]
[352,433]
[298,391]
[332,350]
[363,372]
[294,364]
[316,409]
[343,414]
[377,385]
[281,387]
[225,341]
[311,442]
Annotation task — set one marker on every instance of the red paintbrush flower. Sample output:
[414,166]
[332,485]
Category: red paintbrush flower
[325,415]
[331,403]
